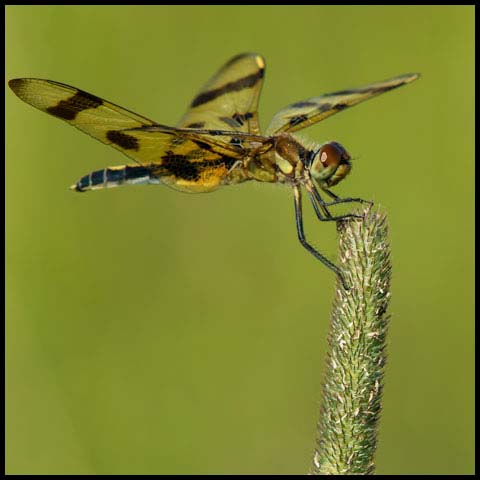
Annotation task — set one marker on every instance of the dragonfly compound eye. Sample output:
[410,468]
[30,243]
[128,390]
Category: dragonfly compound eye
[330,155]
[330,164]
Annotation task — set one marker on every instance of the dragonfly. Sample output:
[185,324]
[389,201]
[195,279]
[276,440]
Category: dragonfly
[218,141]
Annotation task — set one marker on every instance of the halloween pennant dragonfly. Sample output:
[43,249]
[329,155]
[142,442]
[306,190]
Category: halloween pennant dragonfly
[218,141]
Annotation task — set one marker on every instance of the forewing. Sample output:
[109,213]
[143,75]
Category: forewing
[303,114]
[229,101]
[101,119]
[183,142]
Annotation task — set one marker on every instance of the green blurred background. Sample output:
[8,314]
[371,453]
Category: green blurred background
[150,331]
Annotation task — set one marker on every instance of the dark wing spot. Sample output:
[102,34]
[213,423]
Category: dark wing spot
[303,104]
[241,118]
[325,107]
[196,125]
[179,166]
[123,140]
[69,109]
[237,120]
[297,119]
[236,86]
[340,106]
[203,145]
[231,122]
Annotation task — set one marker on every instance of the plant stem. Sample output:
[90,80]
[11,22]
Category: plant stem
[347,430]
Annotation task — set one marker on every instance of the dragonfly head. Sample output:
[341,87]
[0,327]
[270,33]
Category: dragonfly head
[330,164]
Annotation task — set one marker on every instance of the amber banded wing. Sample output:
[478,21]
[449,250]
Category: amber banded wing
[91,114]
[307,112]
[183,159]
[229,100]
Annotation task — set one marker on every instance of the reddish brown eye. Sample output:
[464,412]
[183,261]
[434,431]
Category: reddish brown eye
[330,154]
[330,164]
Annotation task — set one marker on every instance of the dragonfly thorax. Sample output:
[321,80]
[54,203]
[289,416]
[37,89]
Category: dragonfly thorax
[327,164]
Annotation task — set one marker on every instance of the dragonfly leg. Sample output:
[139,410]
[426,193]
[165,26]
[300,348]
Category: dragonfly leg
[297,195]
[317,201]
[337,199]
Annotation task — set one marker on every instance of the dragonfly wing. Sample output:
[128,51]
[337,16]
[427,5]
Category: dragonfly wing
[184,159]
[305,113]
[229,100]
[98,118]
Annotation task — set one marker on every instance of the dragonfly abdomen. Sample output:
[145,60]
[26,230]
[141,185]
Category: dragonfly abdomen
[114,177]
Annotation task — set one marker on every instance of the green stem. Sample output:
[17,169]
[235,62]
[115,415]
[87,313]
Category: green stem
[347,430]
